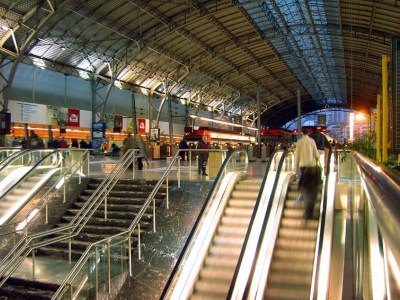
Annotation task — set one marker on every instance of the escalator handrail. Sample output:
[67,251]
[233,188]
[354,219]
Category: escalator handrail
[33,169]
[320,239]
[384,197]
[18,156]
[80,161]
[263,228]
[4,163]
[198,220]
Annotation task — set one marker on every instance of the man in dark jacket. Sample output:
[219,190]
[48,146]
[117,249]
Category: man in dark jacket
[323,145]
[203,155]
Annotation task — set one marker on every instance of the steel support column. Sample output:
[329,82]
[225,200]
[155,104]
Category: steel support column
[378,129]
[385,108]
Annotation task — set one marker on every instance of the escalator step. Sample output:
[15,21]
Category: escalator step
[288,266]
[238,212]
[225,250]
[299,223]
[245,194]
[297,233]
[296,213]
[228,241]
[213,273]
[245,203]
[232,230]
[301,245]
[217,288]
[295,257]
[293,203]
[286,293]
[237,222]
[293,280]
[247,187]
[216,261]
[202,297]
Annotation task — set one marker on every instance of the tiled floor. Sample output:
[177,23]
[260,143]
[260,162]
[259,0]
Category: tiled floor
[160,249]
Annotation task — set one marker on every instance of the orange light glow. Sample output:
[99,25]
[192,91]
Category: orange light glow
[360,117]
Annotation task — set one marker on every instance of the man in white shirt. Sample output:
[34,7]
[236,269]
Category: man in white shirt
[306,160]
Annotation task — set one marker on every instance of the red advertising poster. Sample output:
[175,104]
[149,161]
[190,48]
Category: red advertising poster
[73,117]
[142,125]
[117,123]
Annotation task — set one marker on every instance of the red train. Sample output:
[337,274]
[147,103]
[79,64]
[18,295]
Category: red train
[276,135]
[217,134]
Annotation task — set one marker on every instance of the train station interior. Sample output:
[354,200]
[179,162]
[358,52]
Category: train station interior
[85,216]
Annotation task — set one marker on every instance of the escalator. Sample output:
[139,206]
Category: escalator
[290,273]
[16,192]
[220,262]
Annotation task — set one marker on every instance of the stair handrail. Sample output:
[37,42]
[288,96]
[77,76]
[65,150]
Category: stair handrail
[63,179]
[256,212]
[135,223]
[27,244]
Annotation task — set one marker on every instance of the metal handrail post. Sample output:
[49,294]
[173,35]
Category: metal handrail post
[139,246]
[96,274]
[154,214]
[47,214]
[65,191]
[167,192]
[33,264]
[109,267]
[179,172]
[105,206]
[130,253]
[70,250]
[190,162]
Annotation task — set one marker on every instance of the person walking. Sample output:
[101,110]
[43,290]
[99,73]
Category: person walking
[323,146]
[307,164]
[203,155]
[183,146]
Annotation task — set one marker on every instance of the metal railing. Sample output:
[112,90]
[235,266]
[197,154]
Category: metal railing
[28,243]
